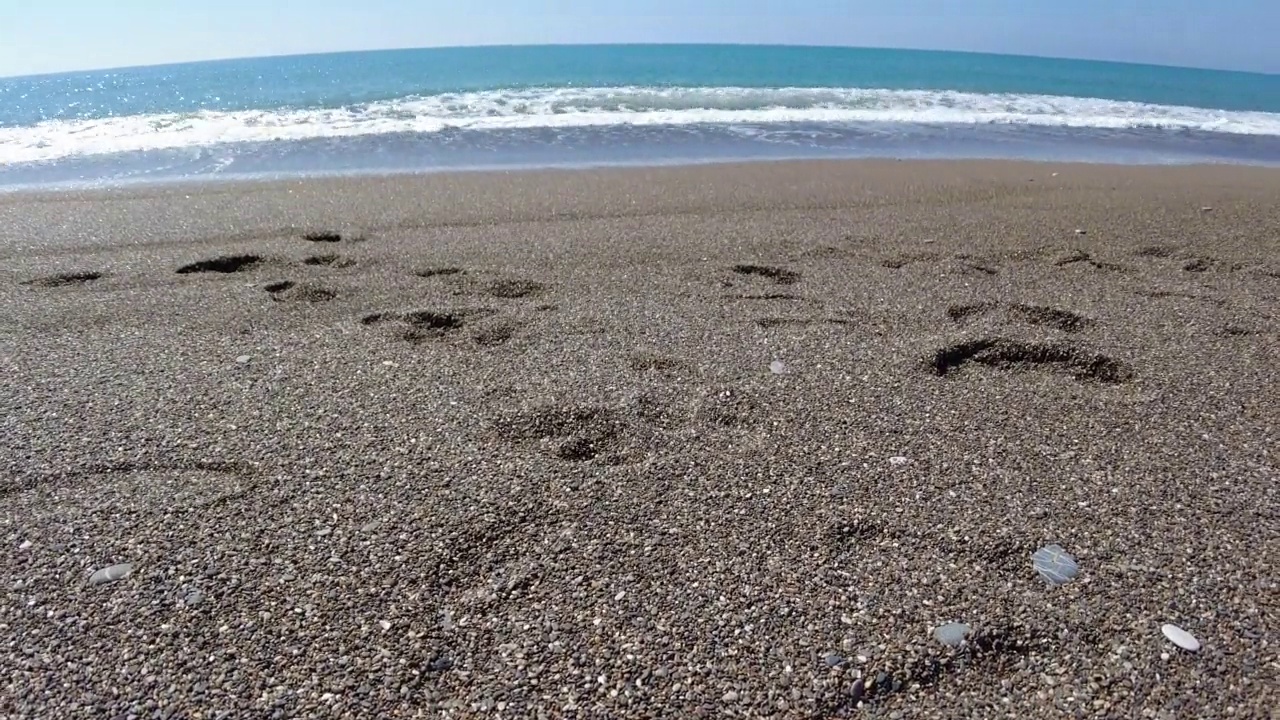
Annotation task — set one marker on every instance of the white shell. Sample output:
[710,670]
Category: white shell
[1180,637]
[111,574]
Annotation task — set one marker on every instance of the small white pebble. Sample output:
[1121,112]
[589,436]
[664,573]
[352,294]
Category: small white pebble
[386,625]
[897,460]
[244,359]
[621,594]
[26,545]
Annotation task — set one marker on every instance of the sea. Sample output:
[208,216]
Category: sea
[429,110]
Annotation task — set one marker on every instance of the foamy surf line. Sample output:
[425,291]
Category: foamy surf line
[602,107]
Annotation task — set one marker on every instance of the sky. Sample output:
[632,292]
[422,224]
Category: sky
[62,35]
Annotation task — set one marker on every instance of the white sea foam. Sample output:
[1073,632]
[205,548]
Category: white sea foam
[588,107]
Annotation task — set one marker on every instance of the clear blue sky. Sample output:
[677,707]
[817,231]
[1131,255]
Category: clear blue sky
[54,35]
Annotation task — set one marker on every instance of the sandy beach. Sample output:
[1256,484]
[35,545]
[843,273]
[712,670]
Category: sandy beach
[719,441]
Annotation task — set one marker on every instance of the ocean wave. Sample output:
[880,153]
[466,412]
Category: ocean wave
[588,107]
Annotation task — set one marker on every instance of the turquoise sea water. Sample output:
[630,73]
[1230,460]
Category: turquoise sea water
[423,110]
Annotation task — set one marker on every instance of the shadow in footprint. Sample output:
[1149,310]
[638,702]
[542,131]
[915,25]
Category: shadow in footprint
[428,324]
[1081,256]
[322,237]
[494,336]
[287,290]
[329,260]
[1011,355]
[782,276]
[438,272]
[644,362]
[513,289]
[64,279]
[964,312]
[224,264]
[1198,265]
[1063,320]
[582,433]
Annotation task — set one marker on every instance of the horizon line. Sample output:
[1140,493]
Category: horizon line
[814,46]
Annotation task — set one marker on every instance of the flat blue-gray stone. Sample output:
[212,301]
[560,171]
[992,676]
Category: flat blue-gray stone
[111,574]
[951,634]
[1054,564]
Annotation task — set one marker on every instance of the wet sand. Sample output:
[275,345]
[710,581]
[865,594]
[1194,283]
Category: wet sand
[511,445]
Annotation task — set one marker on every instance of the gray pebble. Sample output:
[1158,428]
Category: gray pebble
[731,696]
[1054,564]
[834,660]
[111,574]
[951,634]
[244,359]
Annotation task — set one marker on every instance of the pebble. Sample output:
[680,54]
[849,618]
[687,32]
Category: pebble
[193,598]
[1081,231]
[731,696]
[858,690]
[1206,208]
[951,634]
[1180,637]
[834,660]
[777,367]
[385,624]
[26,545]
[1055,564]
[244,359]
[111,574]
[898,460]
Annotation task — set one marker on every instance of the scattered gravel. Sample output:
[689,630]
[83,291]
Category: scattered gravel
[615,512]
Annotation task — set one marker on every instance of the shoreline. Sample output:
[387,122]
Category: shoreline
[673,442]
[215,181]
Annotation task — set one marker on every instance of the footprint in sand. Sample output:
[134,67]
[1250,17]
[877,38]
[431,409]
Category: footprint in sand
[1006,354]
[1063,320]
[332,260]
[287,290]
[781,276]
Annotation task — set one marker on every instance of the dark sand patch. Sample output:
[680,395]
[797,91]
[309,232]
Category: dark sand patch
[643,362]
[1082,257]
[494,336]
[765,296]
[1063,320]
[438,272]
[329,260]
[65,279]
[1155,251]
[322,237]
[782,276]
[514,289]
[964,312]
[1198,265]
